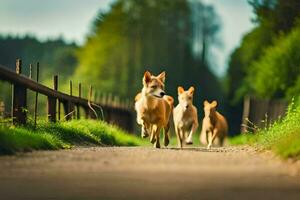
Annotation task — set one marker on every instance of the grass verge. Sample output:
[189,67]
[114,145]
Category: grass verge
[283,137]
[63,135]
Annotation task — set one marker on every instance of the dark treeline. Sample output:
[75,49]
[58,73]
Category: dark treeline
[156,35]
[55,57]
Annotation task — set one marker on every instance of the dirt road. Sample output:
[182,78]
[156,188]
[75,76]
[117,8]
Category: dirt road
[147,173]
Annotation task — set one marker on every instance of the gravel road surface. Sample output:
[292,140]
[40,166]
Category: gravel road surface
[148,173]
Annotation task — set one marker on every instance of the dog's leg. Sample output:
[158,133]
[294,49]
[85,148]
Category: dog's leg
[202,137]
[185,134]
[206,134]
[152,134]
[181,137]
[145,132]
[221,140]
[212,136]
[209,137]
[189,140]
[156,133]
[177,131]
[166,135]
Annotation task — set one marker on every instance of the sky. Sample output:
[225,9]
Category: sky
[71,19]
[235,16]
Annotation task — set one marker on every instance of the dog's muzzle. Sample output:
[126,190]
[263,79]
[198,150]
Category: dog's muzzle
[161,94]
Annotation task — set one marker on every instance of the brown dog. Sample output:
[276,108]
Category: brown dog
[154,108]
[214,125]
[185,117]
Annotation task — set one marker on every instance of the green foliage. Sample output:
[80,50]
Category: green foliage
[242,58]
[241,139]
[283,137]
[277,73]
[253,60]
[253,69]
[160,35]
[52,136]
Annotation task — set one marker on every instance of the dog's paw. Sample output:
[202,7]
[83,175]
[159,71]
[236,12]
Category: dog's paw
[157,145]
[166,142]
[152,138]
[144,133]
[189,142]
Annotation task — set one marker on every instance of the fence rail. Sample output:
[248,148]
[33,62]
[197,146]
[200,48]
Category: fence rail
[114,112]
[260,113]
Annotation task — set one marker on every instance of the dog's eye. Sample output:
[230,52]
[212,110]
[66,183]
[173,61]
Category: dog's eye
[190,98]
[154,86]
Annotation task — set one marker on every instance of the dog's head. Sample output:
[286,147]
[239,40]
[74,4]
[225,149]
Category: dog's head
[185,98]
[210,108]
[154,85]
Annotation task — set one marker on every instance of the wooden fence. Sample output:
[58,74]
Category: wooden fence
[107,107]
[260,113]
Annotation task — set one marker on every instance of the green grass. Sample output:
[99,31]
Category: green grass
[283,137]
[62,135]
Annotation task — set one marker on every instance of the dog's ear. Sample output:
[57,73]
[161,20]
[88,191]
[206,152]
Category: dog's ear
[162,76]
[205,103]
[147,77]
[191,90]
[180,90]
[214,104]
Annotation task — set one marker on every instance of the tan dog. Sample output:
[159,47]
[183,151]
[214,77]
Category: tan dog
[185,117]
[214,125]
[154,108]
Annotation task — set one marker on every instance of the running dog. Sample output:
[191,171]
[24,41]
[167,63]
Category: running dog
[185,117]
[214,125]
[154,108]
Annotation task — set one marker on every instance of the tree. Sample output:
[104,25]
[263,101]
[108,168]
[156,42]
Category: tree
[156,35]
[55,57]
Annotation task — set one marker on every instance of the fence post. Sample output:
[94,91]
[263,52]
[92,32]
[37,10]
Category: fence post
[69,106]
[92,115]
[245,116]
[59,103]
[36,94]
[52,102]
[77,106]
[19,96]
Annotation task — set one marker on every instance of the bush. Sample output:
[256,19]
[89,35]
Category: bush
[277,72]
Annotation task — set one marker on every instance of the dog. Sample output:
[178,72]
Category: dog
[153,108]
[214,125]
[185,117]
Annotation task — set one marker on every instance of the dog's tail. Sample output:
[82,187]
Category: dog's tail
[138,97]
[169,100]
